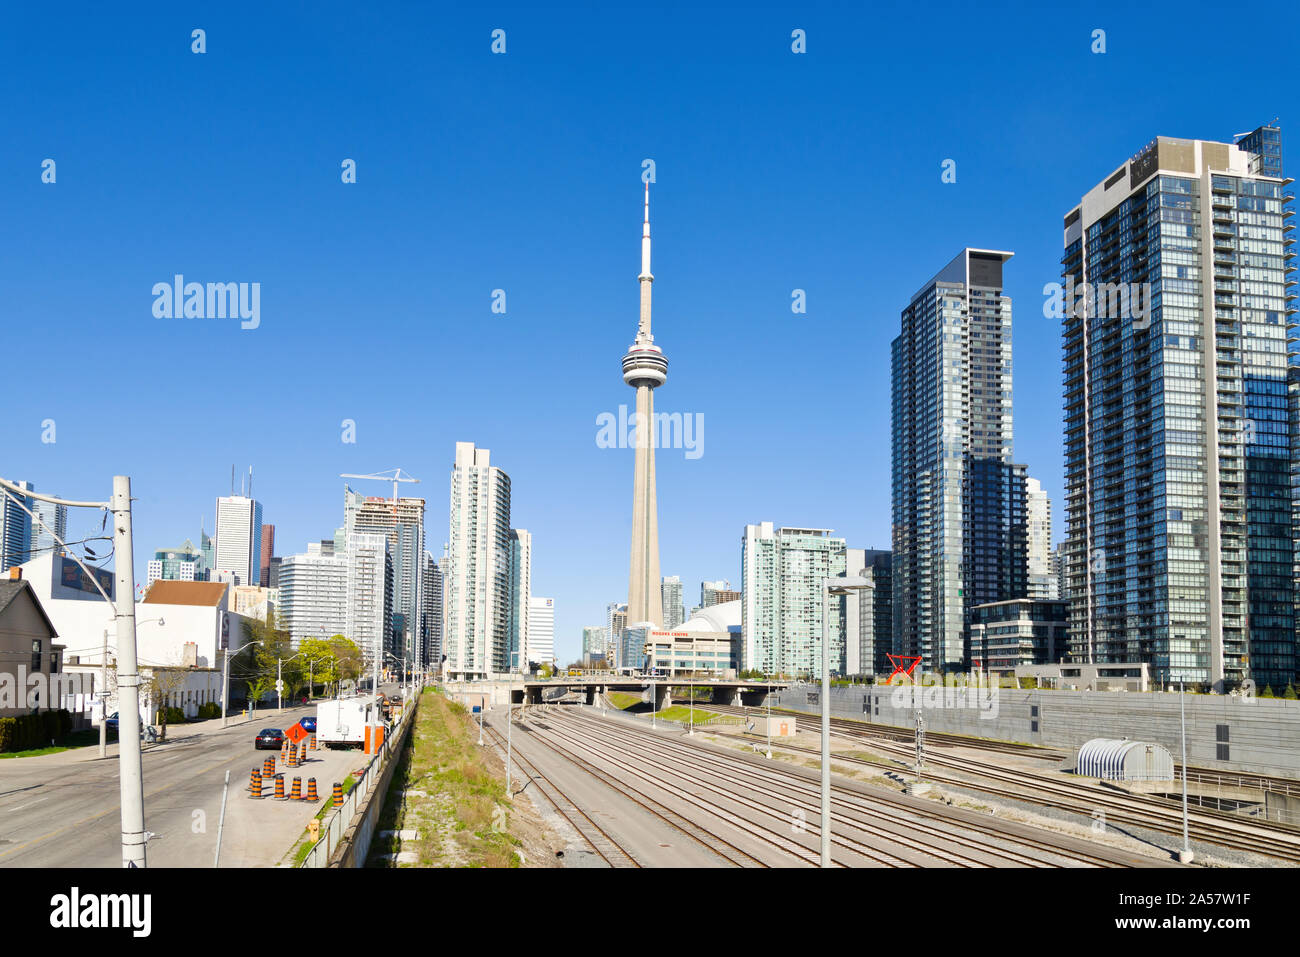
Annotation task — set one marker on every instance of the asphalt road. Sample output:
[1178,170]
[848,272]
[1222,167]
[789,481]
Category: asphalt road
[64,810]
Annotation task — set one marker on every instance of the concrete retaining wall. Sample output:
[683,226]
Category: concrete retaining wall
[1263,734]
[355,846]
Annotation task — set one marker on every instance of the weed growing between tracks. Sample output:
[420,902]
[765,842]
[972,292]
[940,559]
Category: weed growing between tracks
[462,818]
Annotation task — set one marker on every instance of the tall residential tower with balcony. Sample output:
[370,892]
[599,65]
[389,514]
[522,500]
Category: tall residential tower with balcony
[959,504]
[1179,531]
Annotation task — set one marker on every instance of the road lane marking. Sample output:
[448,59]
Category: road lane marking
[117,807]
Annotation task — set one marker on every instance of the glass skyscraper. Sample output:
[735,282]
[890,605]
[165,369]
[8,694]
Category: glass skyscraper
[1179,528]
[959,503]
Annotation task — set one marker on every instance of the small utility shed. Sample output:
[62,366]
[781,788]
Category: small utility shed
[1124,760]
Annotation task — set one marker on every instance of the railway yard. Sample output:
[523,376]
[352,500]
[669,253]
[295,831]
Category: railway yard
[621,793]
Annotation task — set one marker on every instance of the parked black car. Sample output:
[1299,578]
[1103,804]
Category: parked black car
[269,739]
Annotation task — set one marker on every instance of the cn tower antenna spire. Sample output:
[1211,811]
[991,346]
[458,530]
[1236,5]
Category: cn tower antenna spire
[645,239]
[645,368]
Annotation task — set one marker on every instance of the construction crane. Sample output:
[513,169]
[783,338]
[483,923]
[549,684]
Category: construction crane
[384,476]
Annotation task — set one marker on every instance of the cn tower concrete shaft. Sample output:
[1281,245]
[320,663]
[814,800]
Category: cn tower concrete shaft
[645,368]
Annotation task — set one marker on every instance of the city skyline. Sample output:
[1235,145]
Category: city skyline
[733,262]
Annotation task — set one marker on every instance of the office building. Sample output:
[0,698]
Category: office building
[238,546]
[313,594]
[959,535]
[541,629]
[478,574]
[674,613]
[519,649]
[268,554]
[632,649]
[176,564]
[784,613]
[208,549]
[1178,456]
[401,522]
[593,644]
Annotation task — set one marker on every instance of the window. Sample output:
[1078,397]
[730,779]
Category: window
[36,654]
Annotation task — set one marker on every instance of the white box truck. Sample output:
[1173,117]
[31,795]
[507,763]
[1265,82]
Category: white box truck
[341,723]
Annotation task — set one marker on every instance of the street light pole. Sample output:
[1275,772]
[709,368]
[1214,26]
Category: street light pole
[842,586]
[826,728]
[510,709]
[768,702]
[1185,855]
[225,689]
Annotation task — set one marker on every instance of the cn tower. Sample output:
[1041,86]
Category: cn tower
[645,368]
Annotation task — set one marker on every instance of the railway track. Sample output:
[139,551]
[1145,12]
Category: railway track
[714,843]
[727,850]
[1157,814]
[925,833]
[605,847]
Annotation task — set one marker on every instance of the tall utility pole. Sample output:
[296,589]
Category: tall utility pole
[131,771]
[130,774]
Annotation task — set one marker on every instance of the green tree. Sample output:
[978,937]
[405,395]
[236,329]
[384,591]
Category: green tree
[1289,694]
[321,662]
[1267,692]
[351,662]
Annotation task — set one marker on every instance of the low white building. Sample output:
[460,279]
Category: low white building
[708,644]
[182,628]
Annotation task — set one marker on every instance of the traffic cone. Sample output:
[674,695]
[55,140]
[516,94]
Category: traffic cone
[268,767]
[255,783]
[338,794]
[311,790]
[279,787]
[296,793]
[313,743]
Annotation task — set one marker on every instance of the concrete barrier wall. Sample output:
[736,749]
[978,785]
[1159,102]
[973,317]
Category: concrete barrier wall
[355,846]
[1263,734]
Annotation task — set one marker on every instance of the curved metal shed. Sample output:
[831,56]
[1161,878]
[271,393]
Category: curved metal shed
[1124,760]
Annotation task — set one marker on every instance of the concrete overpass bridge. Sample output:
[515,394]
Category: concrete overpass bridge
[722,691]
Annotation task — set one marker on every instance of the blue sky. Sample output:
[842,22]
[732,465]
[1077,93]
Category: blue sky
[475,172]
